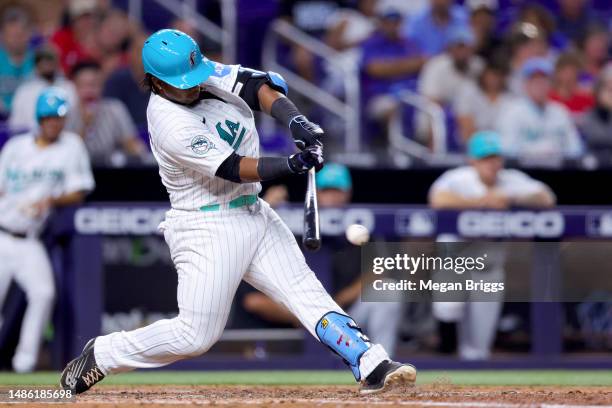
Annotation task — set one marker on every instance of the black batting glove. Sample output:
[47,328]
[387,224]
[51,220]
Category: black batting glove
[304,132]
[311,156]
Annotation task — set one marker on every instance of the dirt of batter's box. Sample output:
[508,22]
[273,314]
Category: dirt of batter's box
[337,396]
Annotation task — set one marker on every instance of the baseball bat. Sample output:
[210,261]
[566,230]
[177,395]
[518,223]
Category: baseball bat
[311,239]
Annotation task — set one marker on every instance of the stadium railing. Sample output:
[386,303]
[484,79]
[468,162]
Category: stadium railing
[408,148]
[348,109]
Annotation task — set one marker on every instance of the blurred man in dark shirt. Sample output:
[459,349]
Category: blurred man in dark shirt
[389,62]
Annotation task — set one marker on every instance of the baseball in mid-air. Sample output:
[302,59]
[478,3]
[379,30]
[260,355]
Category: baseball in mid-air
[357,234]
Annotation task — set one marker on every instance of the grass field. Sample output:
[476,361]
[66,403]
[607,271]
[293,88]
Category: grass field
[510,377]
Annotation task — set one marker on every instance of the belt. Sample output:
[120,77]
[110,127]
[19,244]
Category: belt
[13,234]
[238,202]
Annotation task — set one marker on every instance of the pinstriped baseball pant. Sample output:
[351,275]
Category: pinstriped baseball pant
[212,253]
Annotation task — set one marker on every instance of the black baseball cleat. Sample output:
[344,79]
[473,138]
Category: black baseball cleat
[387,375]
[82,373]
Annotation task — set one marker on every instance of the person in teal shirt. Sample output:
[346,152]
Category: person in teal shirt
[16,57]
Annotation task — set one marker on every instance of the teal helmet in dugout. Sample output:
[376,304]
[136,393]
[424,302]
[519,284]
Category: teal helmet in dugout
[51,103]
[175,58]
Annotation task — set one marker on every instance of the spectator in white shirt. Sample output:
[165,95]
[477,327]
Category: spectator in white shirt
[47,74]
[535,129]
[479,105]
[443,76]
[483,184]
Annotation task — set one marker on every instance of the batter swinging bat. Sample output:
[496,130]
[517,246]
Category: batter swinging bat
[312,235]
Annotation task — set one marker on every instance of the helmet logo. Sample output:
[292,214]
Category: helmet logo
[192,58]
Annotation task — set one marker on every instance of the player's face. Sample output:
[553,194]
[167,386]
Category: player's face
[50,128]
[488,167]
[183,96]
[537,88]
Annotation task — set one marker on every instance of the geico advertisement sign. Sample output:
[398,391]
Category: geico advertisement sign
[520,224]
[118,221]
[334,221]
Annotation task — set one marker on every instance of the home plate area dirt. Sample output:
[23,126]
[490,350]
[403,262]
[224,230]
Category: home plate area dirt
[432,395]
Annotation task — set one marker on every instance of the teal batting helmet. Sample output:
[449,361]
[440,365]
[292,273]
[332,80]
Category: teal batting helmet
[175,58]
[51,103]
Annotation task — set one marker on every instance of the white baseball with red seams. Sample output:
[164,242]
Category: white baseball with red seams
[215,247]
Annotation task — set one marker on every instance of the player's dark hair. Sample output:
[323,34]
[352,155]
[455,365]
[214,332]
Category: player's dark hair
[84,66]
[148,84]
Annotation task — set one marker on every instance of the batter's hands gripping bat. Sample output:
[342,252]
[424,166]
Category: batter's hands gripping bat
[312,234]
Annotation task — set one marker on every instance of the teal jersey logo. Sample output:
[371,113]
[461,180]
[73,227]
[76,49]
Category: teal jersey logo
[234,135]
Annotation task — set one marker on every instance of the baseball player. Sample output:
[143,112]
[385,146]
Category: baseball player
[203,136]
[484,183]
[38,171]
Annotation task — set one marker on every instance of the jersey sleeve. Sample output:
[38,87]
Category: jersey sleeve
[444,183]
[224,77]
[4,153]
[520,184]
[196,148]
[573,145]
[78,172]
[509,127]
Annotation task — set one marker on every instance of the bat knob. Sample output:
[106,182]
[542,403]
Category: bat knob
[312,244]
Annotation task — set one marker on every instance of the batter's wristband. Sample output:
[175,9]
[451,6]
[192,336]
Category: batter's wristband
[270,168]
[284,110]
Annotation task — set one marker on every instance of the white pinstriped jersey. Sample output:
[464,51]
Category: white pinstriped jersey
[29,173]
[190,143]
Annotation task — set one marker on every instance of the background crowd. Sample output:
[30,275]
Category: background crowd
[528,81]
[487,63]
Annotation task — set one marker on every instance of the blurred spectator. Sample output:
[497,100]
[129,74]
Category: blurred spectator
[566,89]
[483,24]
[348,30]
[431,28]
[113,41]
[443,76]
[47,73]
[595,49]
[407,8]
[526,41]
[351,27]
[535,128]
[380,319]
[124,84]
[104,124]
[483,184]
[211,49]
[573,18]
[78,40]
[543,20]
[16,57]
[596,125]
[312,17]
[388,62]
[479,105]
